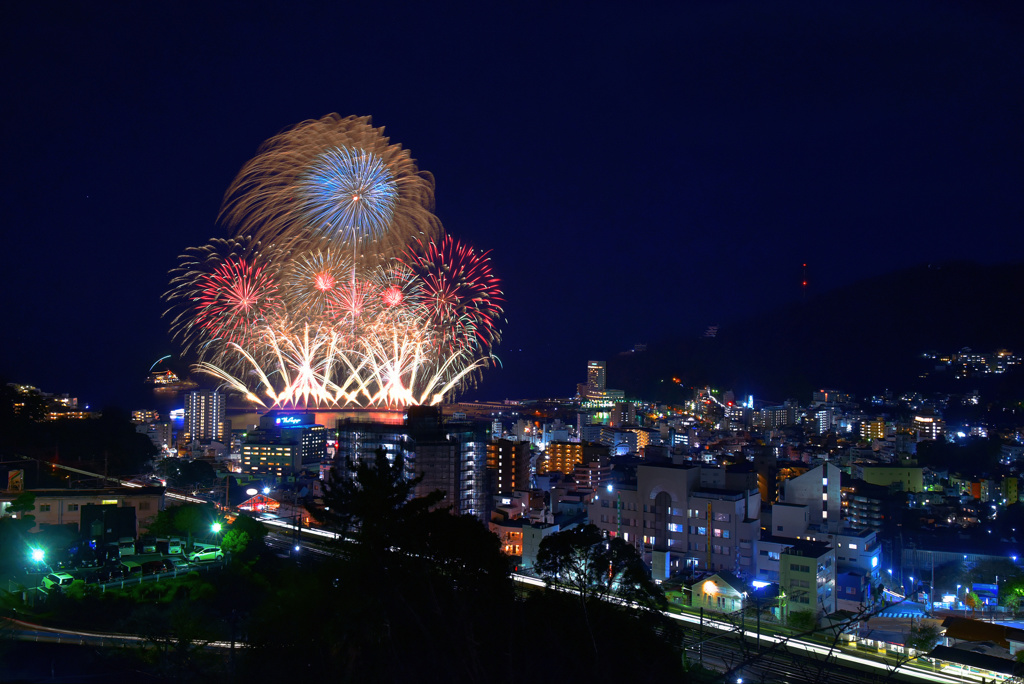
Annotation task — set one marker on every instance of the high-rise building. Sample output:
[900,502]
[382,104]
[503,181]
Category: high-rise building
[508,466]
[451,456]
[204,416]
[597,375]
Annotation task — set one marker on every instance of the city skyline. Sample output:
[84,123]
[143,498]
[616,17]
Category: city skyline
[640,174]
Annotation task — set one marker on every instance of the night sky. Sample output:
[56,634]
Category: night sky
[639,172]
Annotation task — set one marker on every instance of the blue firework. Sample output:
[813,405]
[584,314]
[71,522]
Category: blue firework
[348,195]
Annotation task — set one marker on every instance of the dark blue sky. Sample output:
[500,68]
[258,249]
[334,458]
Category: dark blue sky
[639,173]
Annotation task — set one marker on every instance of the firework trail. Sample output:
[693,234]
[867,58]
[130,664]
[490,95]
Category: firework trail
[334,179]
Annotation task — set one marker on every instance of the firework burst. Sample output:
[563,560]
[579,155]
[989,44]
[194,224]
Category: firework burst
[335,179]
[461,295]
[220,294]
[345,294]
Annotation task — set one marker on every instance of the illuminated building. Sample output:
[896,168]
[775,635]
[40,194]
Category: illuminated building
[140,416]
[807,573]
[595,392]
[508,466]
[204,416]
[771,417]
[564,456]
[907,479]
[58,507]
[830,396]
[681,518]
[510,533]
[928,427]
[873,429]
[450,455]
[160,434]
[69,415]
[622,414]
[597,376]
[284,444]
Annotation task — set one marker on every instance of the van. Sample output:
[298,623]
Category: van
[131,569]
[146,545]
[126,546]
[170,546]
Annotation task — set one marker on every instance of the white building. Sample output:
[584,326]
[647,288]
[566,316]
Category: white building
[679,520]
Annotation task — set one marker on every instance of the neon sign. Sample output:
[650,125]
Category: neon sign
[288,420]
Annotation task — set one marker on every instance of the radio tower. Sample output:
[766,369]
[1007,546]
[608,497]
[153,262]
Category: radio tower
[803,284]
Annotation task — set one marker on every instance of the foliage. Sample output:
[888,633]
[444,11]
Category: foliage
[596,567]
[23,503]
[194,519]
[801,620]
[254,528]
[375,507]
[923,636]
[235,542]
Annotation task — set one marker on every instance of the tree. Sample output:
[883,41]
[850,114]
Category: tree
[235,542]
[801,620]
[921,638]
[375,507]
[23,503]
[593,567]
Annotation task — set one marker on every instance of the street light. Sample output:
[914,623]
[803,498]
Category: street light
[216,527]
[38,555]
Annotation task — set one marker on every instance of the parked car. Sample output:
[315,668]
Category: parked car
[109,573]
[180,564]
[201,555]
[57,581]
[154,567]
[130,569]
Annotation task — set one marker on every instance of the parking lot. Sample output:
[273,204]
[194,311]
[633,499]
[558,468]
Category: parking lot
[131,569]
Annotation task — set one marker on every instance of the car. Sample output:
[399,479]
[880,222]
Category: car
[180,564]
[109,573]
[56,581]
[154,567]
[201,555]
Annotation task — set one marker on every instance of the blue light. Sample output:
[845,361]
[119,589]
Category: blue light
[349,194]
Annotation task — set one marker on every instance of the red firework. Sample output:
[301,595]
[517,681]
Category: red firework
[392,296]
[460,294]
[233,298]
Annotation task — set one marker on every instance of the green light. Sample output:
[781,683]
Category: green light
[38,555]
[216,528]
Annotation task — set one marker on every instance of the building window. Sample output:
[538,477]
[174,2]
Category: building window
[723,517]
[44,508]
[72,507]
[143,505]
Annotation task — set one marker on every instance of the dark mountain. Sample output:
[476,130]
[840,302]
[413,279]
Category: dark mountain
[863,338]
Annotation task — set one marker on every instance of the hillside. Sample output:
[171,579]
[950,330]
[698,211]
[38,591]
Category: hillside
[862,338]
